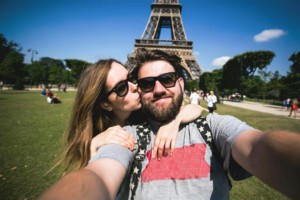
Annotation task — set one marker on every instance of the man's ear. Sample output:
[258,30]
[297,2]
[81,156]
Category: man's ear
[106,106]
[181,83]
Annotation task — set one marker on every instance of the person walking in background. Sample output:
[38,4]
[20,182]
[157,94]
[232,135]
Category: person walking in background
[288,104]
[294,107]
[284,104]
[211,102]
[194,97]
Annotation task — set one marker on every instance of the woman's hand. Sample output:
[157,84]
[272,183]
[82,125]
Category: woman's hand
[115,134]
[165,140]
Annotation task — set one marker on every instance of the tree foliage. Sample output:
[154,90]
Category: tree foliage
[76,67]
[211,81]
[291,82]
[245,73]
[241,67]
[190,85]
[12,67]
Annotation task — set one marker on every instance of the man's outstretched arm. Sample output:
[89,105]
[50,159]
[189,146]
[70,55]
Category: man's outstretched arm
[99,180]
[273,157]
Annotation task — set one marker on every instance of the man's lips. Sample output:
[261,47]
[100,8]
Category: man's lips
[161,99]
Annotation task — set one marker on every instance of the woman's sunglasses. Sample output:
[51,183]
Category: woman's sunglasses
[167,80]
[121,89]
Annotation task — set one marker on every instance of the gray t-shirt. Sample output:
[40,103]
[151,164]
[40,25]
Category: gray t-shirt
[193,172]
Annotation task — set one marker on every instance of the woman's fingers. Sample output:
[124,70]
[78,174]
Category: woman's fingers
[116,135]
[164,146]
[172,147]
[167,148]
[122,137]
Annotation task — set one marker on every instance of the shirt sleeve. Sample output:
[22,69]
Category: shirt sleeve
[116,152]
[225,129]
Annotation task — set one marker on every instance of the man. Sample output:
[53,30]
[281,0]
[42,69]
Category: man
[195,97]
[193,172]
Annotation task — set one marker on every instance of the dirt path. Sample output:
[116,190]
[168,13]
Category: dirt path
[266,108]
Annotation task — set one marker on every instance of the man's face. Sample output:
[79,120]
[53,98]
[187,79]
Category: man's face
[161,104]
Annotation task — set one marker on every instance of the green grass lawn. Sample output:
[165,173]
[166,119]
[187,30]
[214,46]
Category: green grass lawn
[31,139]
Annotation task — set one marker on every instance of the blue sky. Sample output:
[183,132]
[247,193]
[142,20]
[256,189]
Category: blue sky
[90,30]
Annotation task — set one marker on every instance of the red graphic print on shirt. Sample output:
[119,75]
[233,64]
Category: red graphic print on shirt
[187,163]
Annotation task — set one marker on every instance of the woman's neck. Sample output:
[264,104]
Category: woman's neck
[119,120]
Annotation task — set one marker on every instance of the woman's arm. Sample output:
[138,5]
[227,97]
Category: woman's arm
[115,134]
[166,136]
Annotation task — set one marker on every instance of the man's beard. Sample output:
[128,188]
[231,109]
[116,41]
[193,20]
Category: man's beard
[163,115]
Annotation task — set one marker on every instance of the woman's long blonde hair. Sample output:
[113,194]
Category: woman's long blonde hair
[88,118]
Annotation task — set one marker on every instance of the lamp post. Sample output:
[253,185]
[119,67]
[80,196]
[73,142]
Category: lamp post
[33,51]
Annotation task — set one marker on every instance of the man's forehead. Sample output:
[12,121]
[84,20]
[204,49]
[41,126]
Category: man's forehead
[155,68]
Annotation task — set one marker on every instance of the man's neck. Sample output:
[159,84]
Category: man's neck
[154,125]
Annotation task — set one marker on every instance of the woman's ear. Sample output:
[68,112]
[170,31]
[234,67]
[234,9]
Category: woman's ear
[106,106]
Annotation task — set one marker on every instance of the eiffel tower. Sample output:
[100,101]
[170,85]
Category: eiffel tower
[166,14]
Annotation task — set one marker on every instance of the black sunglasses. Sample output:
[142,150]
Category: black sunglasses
[121,89]
[167,80]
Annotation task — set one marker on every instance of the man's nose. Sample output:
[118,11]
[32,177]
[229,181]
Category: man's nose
[158,87]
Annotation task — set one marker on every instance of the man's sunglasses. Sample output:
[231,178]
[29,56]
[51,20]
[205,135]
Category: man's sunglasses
[121,89]
[167,80]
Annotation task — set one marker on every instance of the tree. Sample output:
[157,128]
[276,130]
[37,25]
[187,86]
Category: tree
[206,81]
[12,68]
[52,69]
[191,84]
[76,67]
[56,71]
[295,67]
[274,86]
[36,73]
[292,80]
[252,86]
[211,81]
[240,67]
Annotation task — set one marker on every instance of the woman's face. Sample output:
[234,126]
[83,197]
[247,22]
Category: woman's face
[127,103]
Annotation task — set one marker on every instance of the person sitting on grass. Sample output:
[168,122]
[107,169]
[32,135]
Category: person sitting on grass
[53,98]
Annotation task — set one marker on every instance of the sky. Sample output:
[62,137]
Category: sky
[90,30]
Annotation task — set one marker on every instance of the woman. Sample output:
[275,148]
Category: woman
[104,103]
[294,107]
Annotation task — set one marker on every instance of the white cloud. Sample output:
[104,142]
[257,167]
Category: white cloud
[269,34]
[219,62]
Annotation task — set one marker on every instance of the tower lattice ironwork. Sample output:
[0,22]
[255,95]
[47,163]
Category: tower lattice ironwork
[166,14]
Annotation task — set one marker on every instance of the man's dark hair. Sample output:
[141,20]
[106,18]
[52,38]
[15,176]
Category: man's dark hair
[143,56]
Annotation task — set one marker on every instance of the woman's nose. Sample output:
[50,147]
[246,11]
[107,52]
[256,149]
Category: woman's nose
[132,86]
